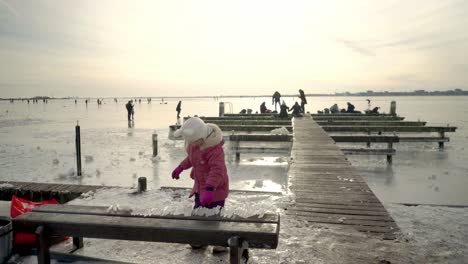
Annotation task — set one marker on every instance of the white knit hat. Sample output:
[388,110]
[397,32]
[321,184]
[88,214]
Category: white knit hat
[192,130]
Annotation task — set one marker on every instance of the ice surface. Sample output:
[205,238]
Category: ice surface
[33,137]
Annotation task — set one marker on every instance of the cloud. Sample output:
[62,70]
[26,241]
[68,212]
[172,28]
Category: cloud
[356,47]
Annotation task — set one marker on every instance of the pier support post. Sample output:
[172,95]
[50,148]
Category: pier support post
[141,184]
[155,144]
[235,149]
[368,142]
[78,149]
[393,108]
[442,137]
[221,109]
[390,157]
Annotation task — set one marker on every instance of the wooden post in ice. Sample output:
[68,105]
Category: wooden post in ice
[221,108]
[141,184]
[155,144]
[390,148]
[78,149]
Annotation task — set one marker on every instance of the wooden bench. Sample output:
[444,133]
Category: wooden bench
[245,128]
[237,148]
[96,222]
[367,151]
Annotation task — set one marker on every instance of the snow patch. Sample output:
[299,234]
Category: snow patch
[89,158]
[6,185]
[280,131]
[87,195]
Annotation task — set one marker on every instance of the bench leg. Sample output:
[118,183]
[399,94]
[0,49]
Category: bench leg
[238,249]
[43,254]
[234,255]
[77,243]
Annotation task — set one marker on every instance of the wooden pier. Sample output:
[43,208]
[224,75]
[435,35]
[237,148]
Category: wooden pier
[327,188]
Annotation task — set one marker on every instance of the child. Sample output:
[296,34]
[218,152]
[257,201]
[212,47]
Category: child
[204,145]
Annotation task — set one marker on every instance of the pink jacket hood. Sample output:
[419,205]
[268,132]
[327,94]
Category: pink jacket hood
[208,165]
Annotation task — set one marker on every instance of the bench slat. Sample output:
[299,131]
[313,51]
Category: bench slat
[214,233]
[102,210]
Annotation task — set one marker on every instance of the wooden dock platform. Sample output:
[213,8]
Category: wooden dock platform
[327,188]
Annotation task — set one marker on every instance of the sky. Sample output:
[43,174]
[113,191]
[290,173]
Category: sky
[220,47]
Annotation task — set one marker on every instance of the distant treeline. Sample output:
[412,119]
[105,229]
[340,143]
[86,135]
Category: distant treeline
[413,93]
[455,92]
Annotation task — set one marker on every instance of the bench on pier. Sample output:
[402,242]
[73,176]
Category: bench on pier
[418,129]
[441,140]
[352,114]
[265,118]
[367,151]
[396,129]
[96,222]
[260,137]
[369,123]
[336,138]
[253,115]
[245,128]
[237,148]
[358,118]
[389,151]
[250,122]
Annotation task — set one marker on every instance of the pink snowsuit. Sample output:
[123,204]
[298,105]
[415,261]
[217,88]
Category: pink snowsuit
[208,166]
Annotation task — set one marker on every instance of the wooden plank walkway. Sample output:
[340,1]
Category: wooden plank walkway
[327,188]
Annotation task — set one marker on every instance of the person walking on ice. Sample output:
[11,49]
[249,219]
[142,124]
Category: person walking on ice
[205,155]
[179,108]
[275,99]
[303,100]
[129,107]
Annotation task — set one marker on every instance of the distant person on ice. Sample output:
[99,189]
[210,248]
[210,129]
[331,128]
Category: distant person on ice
[296,110]
[350,108]
[205,155]
[303,100]
[179,108]
[276,99]
[374,110]
[263,108]
[283,110]
[129,107]
[334,109]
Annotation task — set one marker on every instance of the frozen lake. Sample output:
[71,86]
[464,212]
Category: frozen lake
[37,144]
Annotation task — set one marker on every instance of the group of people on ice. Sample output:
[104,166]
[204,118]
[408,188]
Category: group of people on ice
[334,109]
[297,110]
